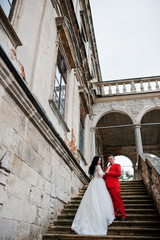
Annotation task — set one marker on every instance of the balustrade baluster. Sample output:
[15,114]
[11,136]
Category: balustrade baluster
[117,88]
[142,87]
[157,85]
[110,90]
[124,88]
[133,87]
[102,90]
[149,86]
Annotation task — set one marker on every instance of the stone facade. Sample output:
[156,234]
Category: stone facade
[46,148]
[41,165]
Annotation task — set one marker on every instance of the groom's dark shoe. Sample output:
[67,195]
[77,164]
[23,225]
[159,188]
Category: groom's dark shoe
[123,219]
[116,219]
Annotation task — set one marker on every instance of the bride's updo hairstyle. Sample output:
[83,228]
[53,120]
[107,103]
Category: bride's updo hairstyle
[93,165]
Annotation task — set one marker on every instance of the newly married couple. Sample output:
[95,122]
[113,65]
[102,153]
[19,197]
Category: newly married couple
[98,208]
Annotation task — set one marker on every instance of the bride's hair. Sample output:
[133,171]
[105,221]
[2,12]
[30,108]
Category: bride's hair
[93,165]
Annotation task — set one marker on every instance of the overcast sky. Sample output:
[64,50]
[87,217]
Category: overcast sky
[128,37]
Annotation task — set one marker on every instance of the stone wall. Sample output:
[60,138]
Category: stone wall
[149,168]
[34,180]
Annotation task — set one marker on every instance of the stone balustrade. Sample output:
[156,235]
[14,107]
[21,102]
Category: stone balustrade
[149,167]
[128,86]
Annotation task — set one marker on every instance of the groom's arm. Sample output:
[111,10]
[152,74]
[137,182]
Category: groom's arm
[104,176]
[116,172]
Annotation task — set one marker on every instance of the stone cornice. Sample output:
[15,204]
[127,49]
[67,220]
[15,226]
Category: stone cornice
[127,97]
[19,91]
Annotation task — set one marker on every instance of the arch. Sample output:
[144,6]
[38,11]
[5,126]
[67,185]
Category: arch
[103,113]
[113,139]
[150,132]
[144,111]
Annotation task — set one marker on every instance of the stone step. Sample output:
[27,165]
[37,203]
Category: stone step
[124,197]
[143,220]
[125,201]
[131,182]
[127,206]
[135,211]
[134,231]
[124,193]
[127,223]
[132,188]
[126,184]
[91,237]
[130,216]
[118,230]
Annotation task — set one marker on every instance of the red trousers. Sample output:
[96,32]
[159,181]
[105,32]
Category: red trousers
[117,201]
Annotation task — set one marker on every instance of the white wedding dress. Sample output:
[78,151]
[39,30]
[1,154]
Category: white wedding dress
[95,211]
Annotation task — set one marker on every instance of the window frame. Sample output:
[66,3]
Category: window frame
[61,120]
[64,79]
[11,8]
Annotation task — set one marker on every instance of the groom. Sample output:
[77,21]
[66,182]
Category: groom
[111,177]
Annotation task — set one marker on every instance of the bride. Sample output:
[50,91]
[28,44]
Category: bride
[95,211]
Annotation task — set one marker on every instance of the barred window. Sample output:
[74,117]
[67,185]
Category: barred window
[8,7]
[60,84]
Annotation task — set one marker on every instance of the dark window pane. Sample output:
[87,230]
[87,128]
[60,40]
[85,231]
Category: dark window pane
[6,5]
[60,84]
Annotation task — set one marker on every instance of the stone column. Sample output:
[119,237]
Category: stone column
[93,143]
[139,149]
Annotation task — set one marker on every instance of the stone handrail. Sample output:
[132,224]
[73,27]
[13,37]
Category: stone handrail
[149,167]
[128,86]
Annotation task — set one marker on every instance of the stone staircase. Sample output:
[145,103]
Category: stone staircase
[143,220]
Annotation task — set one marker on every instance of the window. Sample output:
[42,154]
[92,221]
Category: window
[8,7]
[83,27]
[60,84]
[81,129]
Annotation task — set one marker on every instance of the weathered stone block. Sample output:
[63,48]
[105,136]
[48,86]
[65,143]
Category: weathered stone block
[2,194]
[3,177]
[44,216]
[45,201]
[11,140]
[7,161]
[17,187]
[31,157]
[36,197]
[28,174]
[12,229]
[47,187]
[9,114]
[2,152]
[36,232]
[16,166]
[2,127]
[46,170]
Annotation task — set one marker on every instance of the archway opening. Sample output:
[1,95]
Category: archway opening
[150,131]
[115,135]
[126,167]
